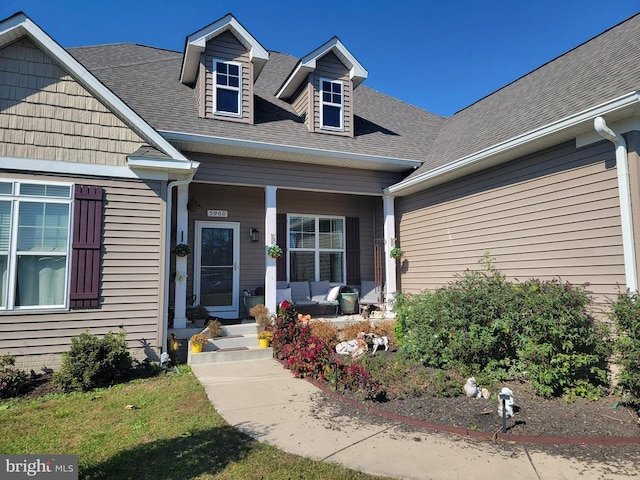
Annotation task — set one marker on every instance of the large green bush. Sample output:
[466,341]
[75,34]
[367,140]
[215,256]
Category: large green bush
[559,344]
[467,323]
[481,324]
[625,313]
[94,362]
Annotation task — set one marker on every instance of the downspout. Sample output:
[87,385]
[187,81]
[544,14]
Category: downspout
[167,255]
[624,192]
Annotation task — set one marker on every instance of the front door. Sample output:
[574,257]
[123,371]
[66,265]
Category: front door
[217,276]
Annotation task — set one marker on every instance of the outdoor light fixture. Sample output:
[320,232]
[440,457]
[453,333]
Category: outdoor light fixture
[253,233]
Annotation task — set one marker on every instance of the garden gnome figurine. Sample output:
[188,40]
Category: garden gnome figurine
[508,403]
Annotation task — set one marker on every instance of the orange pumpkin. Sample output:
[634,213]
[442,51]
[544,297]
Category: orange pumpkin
[304,318]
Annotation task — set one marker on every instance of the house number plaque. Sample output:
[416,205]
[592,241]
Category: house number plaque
[217,213]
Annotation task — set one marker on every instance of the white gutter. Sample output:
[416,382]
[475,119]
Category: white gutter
[274,147]
[167,257]
[624,192]
[515,142]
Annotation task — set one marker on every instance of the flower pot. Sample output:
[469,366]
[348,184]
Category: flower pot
[196,348]
[264,343]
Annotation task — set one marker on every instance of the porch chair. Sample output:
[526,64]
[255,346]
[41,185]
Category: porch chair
[370,294]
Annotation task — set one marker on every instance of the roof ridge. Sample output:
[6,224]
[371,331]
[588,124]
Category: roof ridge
[85,47]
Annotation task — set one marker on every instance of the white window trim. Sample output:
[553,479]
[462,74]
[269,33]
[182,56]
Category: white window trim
[316,249]
[340,105]
[234,89]
[16,198]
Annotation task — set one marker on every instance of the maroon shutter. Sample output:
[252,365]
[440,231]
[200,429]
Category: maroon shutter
[86,247]
[352,228]
[281,240]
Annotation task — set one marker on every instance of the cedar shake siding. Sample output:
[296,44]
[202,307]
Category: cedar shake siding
[554,214]
[331,68]
[46,114]
[130,279]
[227,47]
[307,176]
[246,206]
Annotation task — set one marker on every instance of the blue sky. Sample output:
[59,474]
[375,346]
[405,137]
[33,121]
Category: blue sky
[438,55]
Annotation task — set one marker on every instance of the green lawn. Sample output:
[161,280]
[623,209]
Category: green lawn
[172,432]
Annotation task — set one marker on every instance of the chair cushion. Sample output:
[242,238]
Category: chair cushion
[332,295]
[319,290]
[300,292]
[283,294]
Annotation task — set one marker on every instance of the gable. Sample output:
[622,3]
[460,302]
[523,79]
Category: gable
[46,114]
[329,67]
[227,48]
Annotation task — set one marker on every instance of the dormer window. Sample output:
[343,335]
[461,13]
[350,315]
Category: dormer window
[228,81]
[332,104]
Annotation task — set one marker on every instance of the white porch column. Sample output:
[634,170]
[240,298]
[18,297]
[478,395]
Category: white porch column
[389,242]
[182,232]
[270,236]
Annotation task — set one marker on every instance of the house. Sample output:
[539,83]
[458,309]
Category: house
[230,148]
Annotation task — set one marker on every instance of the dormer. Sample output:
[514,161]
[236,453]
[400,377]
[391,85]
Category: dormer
[222,61]
[320,88]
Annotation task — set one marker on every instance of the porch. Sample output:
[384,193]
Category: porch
[239,341]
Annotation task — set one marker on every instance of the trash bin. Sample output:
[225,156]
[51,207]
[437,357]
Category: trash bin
[348,303]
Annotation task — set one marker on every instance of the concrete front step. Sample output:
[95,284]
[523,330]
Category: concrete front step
[229,355]
[235,341]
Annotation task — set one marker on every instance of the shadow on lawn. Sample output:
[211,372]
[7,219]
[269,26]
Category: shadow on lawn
[187,456]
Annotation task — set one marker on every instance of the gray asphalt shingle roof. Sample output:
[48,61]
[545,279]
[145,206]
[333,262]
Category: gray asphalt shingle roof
[607,66]
[601,69]
[147,79]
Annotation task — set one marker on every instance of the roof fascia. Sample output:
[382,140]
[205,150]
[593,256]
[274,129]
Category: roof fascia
[78,169]
[357,73]
[273,147]
[197,42]
[458,168]
[175,166]
[20,25]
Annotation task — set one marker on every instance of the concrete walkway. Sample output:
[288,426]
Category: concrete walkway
[264,400]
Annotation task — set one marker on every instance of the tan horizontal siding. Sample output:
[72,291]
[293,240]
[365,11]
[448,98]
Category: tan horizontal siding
[227,47]
[551,215]
[258,172]
[245,205]
[301,102]
[131,290]
[46,114]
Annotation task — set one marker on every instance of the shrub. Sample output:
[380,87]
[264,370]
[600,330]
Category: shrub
[309,357]
[625,313]
[12,380]
[351,330]
[214,329]
[325,330]
[481,324]
[397,376]
[562,347]
[94,362]
[465,323]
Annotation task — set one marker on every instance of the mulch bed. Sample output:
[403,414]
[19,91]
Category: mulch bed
[603,431]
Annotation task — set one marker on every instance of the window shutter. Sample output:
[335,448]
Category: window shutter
[352,228]
[281,239]
[86,247]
